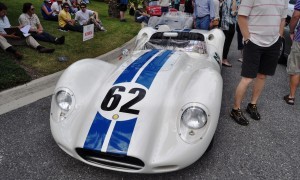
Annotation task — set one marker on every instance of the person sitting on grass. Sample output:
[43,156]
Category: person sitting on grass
[47,12]
[73,6]
[7,40]
[56,7]
[141,16]
[86,16]
[65,21]
[28,17]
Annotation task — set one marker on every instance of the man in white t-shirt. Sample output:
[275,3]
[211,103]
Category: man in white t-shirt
[262,23]
[56,7]
[85,16]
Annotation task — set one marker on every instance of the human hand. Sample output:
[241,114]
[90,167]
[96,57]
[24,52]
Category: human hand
[292,36]
[39,31]
[13,36]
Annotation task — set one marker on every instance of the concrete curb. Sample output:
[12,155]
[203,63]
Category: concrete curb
[37,89]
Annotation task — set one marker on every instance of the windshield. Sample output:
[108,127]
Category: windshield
[180,41]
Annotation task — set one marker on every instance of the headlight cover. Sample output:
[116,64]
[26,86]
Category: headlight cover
[63,100]
[192,122]
[194,117]
[63,104]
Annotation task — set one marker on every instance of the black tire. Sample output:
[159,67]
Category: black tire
[282,58]
[210,145]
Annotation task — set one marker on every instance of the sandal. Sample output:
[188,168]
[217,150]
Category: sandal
[226,64]
[289,100]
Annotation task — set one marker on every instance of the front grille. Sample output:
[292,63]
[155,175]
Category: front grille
[110,160]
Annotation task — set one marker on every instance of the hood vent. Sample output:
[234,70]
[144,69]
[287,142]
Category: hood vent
[110,160]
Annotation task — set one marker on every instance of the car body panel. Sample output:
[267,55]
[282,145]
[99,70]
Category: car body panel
[128,117]
[154,9]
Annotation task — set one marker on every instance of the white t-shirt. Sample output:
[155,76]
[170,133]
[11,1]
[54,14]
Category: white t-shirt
[165,3]
[264,18]
[4,23]
[56,7]
[83,17]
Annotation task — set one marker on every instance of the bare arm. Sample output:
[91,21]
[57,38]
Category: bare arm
[281,28]
[293,23]
[46,11]
[243,24]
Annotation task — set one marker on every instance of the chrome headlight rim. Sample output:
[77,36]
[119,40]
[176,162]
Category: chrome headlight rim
[57,113]
[197,106]
[192,135]
[69,95]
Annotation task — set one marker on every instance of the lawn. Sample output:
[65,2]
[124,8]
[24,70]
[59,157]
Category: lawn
[34,64]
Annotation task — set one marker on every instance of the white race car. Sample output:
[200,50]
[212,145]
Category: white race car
[157,112]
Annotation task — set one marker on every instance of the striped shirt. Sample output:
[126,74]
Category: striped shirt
[264,18]
[297,35]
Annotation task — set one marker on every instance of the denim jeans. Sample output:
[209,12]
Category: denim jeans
[203,22]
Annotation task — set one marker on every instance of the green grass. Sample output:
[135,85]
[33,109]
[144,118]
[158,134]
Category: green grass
[12,72]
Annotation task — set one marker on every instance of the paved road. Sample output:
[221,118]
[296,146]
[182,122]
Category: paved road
[266,149]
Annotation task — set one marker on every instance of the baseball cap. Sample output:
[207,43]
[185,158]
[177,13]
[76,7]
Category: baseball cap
[47,1]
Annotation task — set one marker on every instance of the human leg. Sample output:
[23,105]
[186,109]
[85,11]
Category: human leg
[240,41]
[240,91]
[258,86]
[294,82]
[122,16]
[74,28]
[229,34]
[267,66]
[236,112]
[34,44]
[9,48]
[249,72]
[44,36]
[293,69]
[123,8]
[257,89]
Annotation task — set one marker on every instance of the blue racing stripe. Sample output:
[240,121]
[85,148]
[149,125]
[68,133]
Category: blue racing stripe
[128,74]
[149,73]
[97,133]
[121,136]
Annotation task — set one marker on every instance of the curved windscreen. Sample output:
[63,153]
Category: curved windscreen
[182,41]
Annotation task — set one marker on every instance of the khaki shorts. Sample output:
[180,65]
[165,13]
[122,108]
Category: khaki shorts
[293,62]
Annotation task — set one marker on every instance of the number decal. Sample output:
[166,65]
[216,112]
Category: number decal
[112,99]
[115,98]
[126,107]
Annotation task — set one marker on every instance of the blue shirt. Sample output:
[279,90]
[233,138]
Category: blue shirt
[123,1]
[203,8]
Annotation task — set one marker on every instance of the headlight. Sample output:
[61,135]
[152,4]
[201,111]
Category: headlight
[63,104]
[192,122]
[64,100]
[194,117]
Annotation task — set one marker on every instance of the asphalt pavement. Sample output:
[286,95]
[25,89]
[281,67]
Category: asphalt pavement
[266,149]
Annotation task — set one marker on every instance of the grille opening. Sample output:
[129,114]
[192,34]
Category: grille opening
[111,160]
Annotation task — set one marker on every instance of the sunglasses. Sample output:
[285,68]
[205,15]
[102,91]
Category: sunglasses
[32,9]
